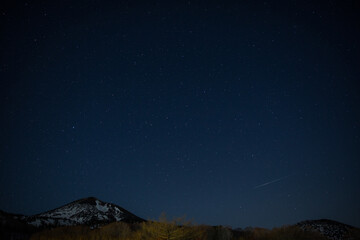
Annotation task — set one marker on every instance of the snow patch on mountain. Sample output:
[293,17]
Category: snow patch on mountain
[36,223]
[102,208]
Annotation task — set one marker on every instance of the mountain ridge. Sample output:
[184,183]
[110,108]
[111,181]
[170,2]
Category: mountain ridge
[88,211]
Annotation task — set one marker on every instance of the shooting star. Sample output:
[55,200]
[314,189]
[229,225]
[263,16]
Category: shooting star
[268,183]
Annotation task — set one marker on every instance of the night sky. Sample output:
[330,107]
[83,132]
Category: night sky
[240,113]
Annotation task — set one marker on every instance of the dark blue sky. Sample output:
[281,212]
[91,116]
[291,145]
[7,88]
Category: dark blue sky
[184,108]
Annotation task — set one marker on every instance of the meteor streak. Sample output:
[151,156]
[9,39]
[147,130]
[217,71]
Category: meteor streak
[267,183]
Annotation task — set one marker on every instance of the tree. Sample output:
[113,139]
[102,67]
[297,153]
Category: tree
[219,233]
[177,229]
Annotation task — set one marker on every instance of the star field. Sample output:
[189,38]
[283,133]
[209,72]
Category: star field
[231,113]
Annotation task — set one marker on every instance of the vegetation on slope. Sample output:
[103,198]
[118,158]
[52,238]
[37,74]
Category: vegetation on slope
[172,230]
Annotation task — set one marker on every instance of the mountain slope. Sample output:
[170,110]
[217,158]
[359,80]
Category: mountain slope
[329,228]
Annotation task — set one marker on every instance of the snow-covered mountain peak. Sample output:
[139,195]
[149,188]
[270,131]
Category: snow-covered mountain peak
[87,211]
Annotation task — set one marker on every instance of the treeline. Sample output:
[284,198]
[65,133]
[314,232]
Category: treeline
[172,230]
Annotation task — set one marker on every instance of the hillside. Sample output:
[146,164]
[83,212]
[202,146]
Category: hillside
[92,218]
